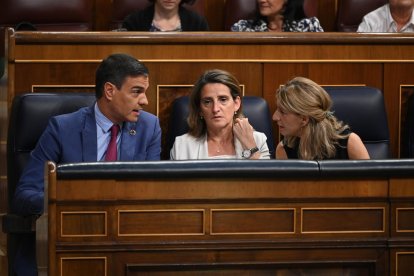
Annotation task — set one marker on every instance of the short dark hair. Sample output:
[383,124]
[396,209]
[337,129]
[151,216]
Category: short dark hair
[188,2]
[115,69]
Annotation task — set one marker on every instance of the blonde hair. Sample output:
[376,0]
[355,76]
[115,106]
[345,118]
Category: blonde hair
[319,137]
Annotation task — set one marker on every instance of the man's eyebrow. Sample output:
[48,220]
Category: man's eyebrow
[141,87]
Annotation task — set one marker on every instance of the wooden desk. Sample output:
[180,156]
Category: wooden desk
[261,61]
[231,217]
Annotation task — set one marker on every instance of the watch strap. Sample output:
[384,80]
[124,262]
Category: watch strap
[254,150]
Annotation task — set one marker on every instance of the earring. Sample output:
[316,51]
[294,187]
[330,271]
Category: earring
[235,112]
[201,117]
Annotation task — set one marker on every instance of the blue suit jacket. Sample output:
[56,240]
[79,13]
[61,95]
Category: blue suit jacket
[71,138]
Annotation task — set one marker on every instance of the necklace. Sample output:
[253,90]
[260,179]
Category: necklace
[167,25]
[217,146]
[220,146]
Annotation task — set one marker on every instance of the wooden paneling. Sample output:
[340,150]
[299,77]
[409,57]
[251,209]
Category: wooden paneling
[160,222]
[327,10]
[284,189]
[252,221]
[398,75]
[403,263]
[349,220]
[83,223]
[86,266]
[229,267]
[405,220]
[261,61]
[254,225]
[214,14]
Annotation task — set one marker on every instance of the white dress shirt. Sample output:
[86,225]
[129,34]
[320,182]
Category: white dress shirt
[381,21]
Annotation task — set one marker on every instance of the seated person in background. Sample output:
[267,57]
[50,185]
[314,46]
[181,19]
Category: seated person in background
[217,128]
[310,130]
[84,135]
[279,16]
[165,16]
[396,16]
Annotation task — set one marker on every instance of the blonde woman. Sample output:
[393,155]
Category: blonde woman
[309,128]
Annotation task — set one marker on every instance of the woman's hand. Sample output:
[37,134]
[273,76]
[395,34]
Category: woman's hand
[243,131]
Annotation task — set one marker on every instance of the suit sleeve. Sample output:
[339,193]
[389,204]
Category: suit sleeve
[154,146]
[29,194]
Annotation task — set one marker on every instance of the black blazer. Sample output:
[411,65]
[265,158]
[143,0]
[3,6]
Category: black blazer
[141,20]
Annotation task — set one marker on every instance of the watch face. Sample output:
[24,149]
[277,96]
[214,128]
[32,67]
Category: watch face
[246,154]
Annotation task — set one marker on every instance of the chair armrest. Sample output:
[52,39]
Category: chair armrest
[16,224]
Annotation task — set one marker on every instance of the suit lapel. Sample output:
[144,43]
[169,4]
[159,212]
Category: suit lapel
[89,144]
[128,141]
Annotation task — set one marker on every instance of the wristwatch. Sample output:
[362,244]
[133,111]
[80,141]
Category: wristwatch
[249,152]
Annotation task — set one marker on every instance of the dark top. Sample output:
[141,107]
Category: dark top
[142,20]
[341,148]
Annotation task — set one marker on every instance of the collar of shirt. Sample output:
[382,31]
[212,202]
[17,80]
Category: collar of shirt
[392,25]
[103,123]
[410,23]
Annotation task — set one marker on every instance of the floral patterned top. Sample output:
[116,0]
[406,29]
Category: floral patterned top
[304,25]
[154,28]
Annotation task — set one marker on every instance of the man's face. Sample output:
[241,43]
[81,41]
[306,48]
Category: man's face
[402,3]
[126,103]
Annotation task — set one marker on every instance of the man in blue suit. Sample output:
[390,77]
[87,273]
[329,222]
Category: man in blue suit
[84,135]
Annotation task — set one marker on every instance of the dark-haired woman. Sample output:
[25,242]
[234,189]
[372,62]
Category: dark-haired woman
[166,16]
[279,16]
[217,127]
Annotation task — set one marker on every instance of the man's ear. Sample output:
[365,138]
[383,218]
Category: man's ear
[109,90]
